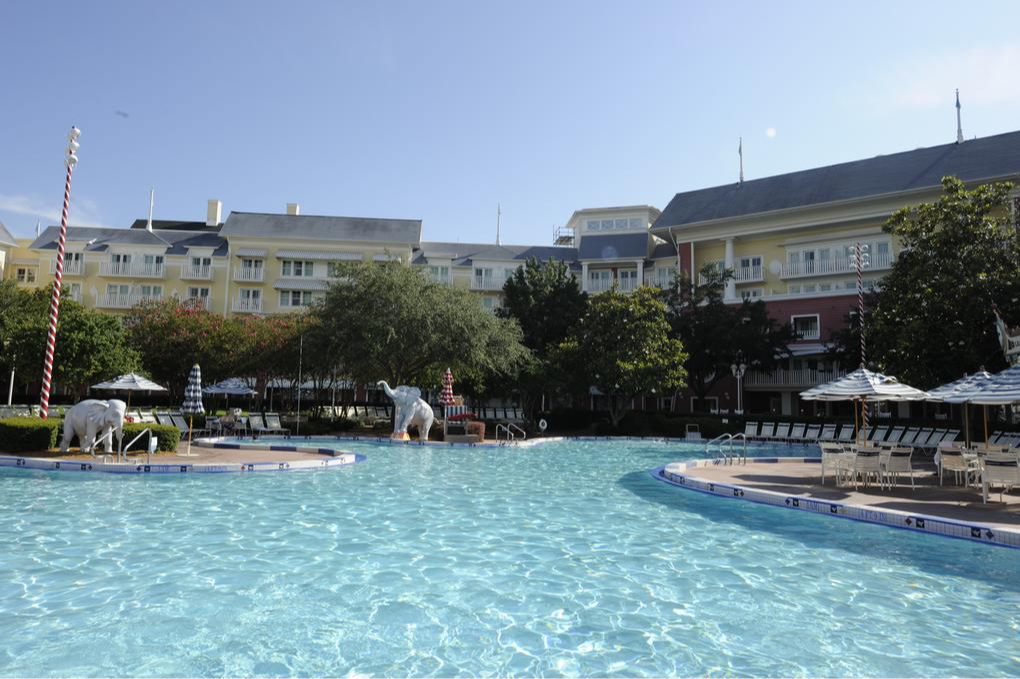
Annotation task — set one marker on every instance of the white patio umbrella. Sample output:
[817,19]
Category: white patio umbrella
[234,386]
[1002,389]
[962,391]
[865,386]
[129,383]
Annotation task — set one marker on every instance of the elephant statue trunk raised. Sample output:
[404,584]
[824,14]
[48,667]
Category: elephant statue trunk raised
[90,419]
[409,409]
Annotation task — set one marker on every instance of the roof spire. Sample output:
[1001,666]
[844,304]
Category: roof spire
[498,215]
[37,228]
[740,152]
[152,198]
[959,126]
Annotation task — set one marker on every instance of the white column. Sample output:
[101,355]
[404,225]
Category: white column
[584,276]
[641,272]
[731,285]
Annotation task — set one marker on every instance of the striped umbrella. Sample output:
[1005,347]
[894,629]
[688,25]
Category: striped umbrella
[962,391]
[193,401]
[129,383]
[864,386]
[1002,389]
[446,397]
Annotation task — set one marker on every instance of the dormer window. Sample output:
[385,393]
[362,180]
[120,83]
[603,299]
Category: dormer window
[621,224]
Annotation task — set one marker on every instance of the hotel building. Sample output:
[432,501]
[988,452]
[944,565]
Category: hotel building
[787,238]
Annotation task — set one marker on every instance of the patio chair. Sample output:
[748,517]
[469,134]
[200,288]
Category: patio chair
[274,425]
[767,430]
[897,462]
[832,455]
[828,433]
[909,436]
[212,424]
[692,432]
[813,432]
[256,424]
[867,464]
[796,433]
[846,434]
[895,434]
[877,435]
[782,432]
[164,419]
[178,420]
[1001,469]
[952,458]
[750,430]
[147,417]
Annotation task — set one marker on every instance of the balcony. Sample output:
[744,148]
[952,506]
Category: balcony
[74,267]
[248,274]
[132,269]
[196,273]
[116,300]
[743,274]
[597,285]
[791,378]
[487,283]
[199,302]
[247,306]
[839,265]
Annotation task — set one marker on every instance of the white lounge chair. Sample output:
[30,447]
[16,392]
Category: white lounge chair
[767,431]
[877,435]
[796,433]
[909,436]
[751,430]
[895,434]
[813,433]
[273,424]
[782,432]
[846,434]
[828,433]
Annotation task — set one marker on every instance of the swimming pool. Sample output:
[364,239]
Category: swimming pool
[564,559]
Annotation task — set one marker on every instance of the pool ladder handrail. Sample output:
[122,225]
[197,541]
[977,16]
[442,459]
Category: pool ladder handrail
[508,427]
[727,440]
[122,451]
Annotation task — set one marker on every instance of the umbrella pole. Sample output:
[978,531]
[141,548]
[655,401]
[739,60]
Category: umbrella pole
[985,409]
[857,429]
[191,422]
[966,424]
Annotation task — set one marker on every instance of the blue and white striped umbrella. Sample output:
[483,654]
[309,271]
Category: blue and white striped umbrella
[193,393]
[962,390]
[1002,389]
[865,385]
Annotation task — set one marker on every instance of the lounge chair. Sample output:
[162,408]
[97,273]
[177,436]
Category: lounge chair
[274,424]
[895,434]
[782,432]
[692,432]
[164,419]
[813,432]
[1001,469]
[750,430]
[994,438]
[767,430]
[147,417]
[181,423]
[921,440]
[797,433]
[846,434]
[828,433]
[950,436]
[877,435]
[908,436]
[258,426]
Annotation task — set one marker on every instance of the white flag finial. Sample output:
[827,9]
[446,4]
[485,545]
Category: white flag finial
[499,213]
[152,198]
[740,152]
[959,126]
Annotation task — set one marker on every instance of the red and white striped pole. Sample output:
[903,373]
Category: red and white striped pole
[860,319]
[51,335]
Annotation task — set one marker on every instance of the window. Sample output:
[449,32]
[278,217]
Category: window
[153,261]
[198,293]
[635,223]
[607,224]
[750,262]
[152,291]
[293,268]
[251,264]
[72,258]
[824,287]
[75,291]
[793,289]
[439,273]
[806,327]
[663,276]
[488,303]
[120,259]
[118,290]
[251,294]
[752,293]
[26,275]
[201,262]
[809,287]
[295,298]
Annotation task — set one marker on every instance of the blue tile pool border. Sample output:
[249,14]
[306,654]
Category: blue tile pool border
[336,459]
[677,475]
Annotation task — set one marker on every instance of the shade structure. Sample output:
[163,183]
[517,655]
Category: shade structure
[962,390]
[129,382]
[863,384]
[446,397]
[233,386]
[193,401]
[1001,389]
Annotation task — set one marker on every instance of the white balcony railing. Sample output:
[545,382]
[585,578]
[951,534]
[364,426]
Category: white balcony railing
[196,273]
[247,274]
[743,274]
[116,300]
[200,302]
[247,306]
[839,265]
[74,267]
[132,269]
[487,283]
[597,285]
[791,378]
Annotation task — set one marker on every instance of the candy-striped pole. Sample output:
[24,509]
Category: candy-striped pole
[860,319]
[51,335]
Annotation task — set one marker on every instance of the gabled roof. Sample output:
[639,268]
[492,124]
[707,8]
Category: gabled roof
[175,225]
[992,157]
[365,230]
[464,254]
[6,238]
[100,239]
[615,246]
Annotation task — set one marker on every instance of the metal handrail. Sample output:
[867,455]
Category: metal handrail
[727,454]
[509,434]
[148,453]
[524,434]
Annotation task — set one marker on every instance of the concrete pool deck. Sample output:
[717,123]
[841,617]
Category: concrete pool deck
[795,483]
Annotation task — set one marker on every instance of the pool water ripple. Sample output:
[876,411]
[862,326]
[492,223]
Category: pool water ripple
[565,559]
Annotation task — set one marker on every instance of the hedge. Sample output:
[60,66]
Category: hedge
[32,434]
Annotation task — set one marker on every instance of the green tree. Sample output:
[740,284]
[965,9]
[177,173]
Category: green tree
[717,334]
[546,301]
[932,318]
[622,347]
[389,322]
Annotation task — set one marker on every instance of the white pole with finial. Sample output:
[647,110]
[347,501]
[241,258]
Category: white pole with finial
[499,213]
[959,125]
[740,152]
[152,198]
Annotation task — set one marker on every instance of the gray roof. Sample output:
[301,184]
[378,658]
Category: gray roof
[175,242]
[986,158]
[619,246]
[256,224]
[175,225]
[5,236]
[463,254]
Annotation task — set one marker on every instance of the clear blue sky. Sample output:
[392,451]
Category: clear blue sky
[439,110]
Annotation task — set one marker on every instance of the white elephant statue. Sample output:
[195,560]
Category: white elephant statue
[92,418]
[410,410]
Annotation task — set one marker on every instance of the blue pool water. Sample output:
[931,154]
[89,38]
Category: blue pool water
[566,559]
